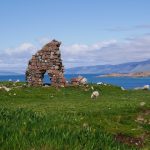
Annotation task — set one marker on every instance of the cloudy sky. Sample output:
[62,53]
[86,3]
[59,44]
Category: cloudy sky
[92,32]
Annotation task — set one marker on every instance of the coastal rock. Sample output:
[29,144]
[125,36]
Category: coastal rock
[146,87]
[122,88]
[48,59]
[79,81]
[5,88]
[99,83]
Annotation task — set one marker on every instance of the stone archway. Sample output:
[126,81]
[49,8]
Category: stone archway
[48,59]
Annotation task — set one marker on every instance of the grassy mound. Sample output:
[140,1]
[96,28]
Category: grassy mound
[67,118]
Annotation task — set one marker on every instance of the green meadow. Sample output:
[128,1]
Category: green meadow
[46,118]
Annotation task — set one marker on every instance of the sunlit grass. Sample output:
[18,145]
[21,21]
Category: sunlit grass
[67,118]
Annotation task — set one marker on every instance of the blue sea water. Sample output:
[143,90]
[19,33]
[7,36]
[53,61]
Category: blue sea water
[125,82]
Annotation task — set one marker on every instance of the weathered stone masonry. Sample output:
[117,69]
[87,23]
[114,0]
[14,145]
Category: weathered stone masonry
[48,59]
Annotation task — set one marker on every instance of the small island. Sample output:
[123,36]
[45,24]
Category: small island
[136,75]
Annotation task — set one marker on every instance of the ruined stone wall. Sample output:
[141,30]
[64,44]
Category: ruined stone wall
[48,59]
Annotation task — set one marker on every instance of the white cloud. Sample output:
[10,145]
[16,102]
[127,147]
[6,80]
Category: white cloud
[77,49]
[21,49]
[108,52]
[15,59]
[129,28]
[103,52]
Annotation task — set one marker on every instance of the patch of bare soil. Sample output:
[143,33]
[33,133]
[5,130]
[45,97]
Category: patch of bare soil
[142,118]
[131,141]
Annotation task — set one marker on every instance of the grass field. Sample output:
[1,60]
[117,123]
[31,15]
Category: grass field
[46,118]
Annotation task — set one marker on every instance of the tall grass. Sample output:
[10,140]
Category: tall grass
[66,118]
[25,129]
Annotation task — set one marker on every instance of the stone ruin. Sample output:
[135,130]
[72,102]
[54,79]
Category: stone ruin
[48,59]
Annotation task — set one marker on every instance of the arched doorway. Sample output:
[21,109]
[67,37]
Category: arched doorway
[46,79]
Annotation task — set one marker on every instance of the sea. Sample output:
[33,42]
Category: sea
[126,82]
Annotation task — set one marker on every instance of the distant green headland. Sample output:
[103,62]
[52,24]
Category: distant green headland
[136,74]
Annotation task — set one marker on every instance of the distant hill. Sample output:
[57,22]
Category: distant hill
[8,73]
[130,67]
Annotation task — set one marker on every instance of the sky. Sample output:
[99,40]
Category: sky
[92,32]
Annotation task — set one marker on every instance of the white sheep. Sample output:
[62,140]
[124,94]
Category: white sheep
[95,94]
